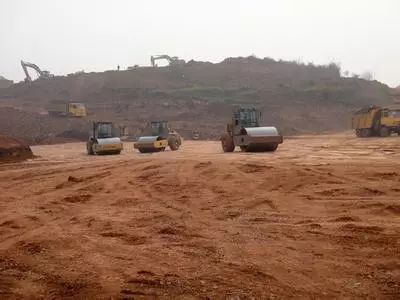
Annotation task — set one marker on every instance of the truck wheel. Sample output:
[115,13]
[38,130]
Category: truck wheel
[358,132]
[227,143]
[173,143]
[365,132]
[384,132]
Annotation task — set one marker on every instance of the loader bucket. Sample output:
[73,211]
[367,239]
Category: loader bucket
[148,144]
[259,139]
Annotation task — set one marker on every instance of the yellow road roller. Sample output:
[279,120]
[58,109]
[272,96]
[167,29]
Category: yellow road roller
[103,140]
[159,137]
[245,131]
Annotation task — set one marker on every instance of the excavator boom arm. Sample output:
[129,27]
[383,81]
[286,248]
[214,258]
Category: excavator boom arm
[40,73]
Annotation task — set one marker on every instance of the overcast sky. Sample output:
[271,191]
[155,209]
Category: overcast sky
[65,36]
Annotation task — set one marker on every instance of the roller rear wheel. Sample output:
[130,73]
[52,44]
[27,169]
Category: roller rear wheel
[173,143]
[227,143]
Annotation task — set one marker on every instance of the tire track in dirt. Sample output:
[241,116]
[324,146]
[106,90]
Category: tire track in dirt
[194,223]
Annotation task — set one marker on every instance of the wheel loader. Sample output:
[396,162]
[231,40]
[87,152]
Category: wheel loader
[158,137]
[376,121]
[245,131]
[70,109]
[103,140]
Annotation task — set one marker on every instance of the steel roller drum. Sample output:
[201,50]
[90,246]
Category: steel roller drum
[151,144]
[109,141]
[261,131]
[260,139]
[148,140]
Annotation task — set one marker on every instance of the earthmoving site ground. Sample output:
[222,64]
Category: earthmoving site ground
[319,218]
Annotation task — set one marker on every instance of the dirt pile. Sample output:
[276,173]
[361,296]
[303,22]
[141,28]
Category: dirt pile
[41,129]
[5,83]
[13,150]
[297,98]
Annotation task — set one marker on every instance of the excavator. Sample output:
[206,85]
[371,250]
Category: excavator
[41,74]
[172,60]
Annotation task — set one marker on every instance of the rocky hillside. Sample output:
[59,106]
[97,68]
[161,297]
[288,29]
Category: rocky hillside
[297,98]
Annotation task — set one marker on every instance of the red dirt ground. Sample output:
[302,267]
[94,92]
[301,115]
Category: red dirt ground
[319,218]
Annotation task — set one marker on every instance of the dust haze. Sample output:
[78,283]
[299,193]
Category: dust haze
[66,36]
[199,150]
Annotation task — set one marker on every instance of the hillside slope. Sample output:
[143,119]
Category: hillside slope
[297,98]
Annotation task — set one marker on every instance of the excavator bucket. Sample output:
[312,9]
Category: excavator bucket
[259,139]
[149,144]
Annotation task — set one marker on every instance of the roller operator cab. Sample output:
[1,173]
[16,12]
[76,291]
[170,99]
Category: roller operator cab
[376,121]
[245,131]
[104,140]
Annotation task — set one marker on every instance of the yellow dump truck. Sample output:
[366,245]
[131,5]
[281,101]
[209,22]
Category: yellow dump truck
[71,109]
[376,121]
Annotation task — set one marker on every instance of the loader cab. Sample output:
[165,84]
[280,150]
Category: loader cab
[160,128]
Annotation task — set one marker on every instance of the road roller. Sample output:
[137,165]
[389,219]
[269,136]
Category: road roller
[103,140]
[245,131]
[158,137]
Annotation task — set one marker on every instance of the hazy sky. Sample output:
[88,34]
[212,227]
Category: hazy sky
[65,36]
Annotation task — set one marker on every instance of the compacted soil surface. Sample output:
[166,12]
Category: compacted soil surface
[319,218]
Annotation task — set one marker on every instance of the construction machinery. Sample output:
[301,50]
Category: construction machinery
[195,135]
[158,136]
[41,74]
[172,60]
[245,131]
[103,139]
[70,109]
[376,121]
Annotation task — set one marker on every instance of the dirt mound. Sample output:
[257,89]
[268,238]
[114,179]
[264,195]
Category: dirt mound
[36,128]
[13,150]
[5,83]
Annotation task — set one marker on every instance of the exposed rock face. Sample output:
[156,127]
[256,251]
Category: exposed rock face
[13,150]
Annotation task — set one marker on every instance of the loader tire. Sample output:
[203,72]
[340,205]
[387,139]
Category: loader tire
[173,143]
[227,143]
[384,132]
